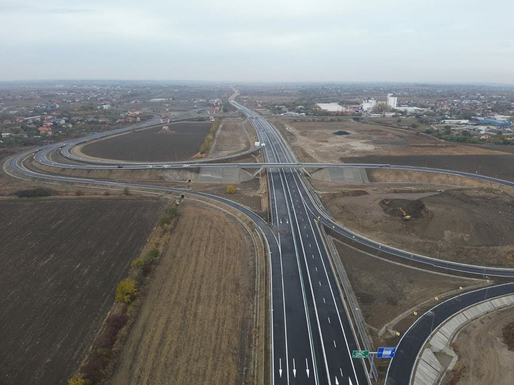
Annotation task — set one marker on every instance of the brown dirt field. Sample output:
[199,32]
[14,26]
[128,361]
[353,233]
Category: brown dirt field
[484,359]
[464,225]
[60,262]
[249,193]
[385,290]
[496,165]
[180,142]
[390,176]
[316,141]
[197,322]
[232,137]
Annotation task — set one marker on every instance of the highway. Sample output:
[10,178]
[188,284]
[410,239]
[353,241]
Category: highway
[311,334]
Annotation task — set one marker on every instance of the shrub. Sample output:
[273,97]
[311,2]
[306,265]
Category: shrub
[147,259]
[115,323]
[231,189]
[126,191]
[170,213]
[34,193]
[93,370]
[164,221]
[77,380]
[139,262]
[209,138]
[126,291]
[151,255]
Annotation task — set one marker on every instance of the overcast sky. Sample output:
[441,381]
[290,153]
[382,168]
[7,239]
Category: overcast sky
[265,40]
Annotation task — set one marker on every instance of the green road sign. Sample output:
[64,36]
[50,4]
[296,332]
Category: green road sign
[360,353]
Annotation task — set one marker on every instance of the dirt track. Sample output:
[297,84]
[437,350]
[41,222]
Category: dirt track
[483,357]
[60,261]
[196,323]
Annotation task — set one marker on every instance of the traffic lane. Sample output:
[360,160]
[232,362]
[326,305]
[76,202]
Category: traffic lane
[315,364]
[338,336]
[402,364]
[279,347]
[324,341]
[299,345]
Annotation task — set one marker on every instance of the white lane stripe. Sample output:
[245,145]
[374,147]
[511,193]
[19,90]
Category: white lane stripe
[280,171]
[315,367]
[332,293]
[283,294]
[311,288]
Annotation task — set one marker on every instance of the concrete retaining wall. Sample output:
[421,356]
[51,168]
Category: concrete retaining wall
[437,356]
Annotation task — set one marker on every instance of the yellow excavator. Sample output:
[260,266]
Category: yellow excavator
[405,214]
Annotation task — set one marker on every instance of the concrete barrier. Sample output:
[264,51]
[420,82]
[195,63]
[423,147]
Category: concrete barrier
[437,356]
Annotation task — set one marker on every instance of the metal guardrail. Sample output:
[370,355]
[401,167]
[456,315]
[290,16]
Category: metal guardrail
[352,305]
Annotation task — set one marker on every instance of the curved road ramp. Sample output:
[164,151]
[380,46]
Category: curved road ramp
[424,353]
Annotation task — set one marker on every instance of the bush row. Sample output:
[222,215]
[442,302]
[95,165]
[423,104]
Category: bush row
[96,366]
[209,138]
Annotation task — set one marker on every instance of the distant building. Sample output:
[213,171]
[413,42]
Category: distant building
[501,123]
[368,105]
[392,101]
[411,110]
[455,121]
[330,107]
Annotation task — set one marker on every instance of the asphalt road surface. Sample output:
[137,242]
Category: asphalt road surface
[312,334]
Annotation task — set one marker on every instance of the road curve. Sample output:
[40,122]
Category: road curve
[401,367]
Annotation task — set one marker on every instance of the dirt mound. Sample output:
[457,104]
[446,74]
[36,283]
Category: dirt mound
[464,225]
[404,208]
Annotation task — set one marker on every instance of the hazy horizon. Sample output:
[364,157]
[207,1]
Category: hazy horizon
[437,42]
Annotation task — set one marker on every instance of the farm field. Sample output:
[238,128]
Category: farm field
[60,261]
[464,225]
[498,165]
[198,319]
[180,141]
